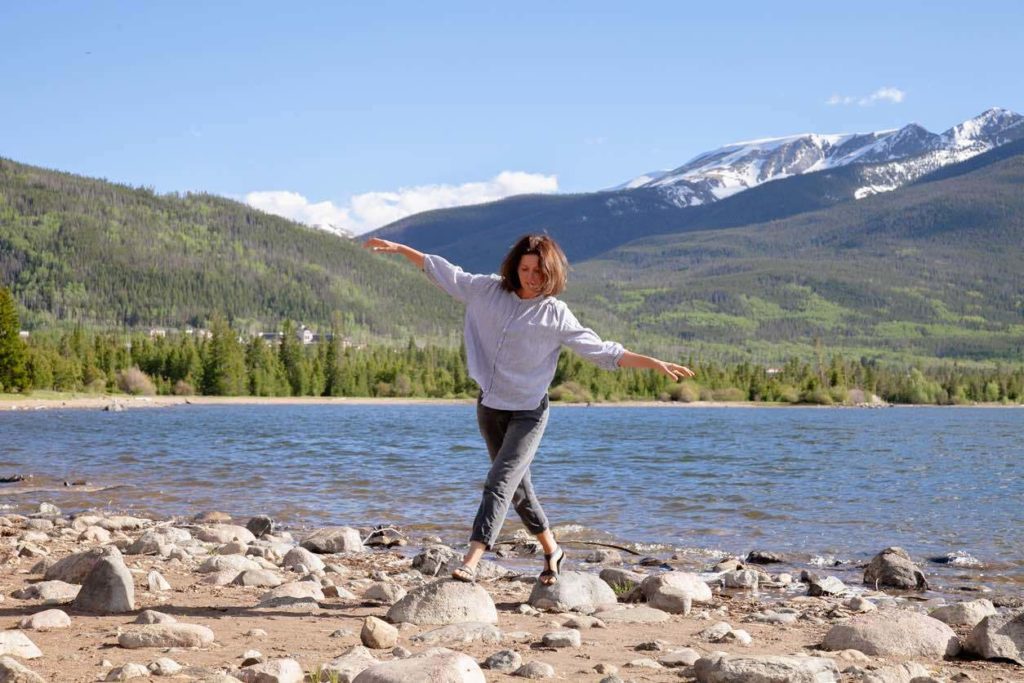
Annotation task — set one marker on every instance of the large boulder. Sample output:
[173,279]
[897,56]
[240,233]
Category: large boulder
[50,592]
[165,635]
[17,644]
[303,557]
[621,580]
[999,636]
[236,563]
[296,590]
[964,613]
[108,589]
[893,567]
[45,621]
[13,671]
[334,539]
[675,592]
[445,602]
[274,671]
[573,592]
[894,633]
[460,634]
[436,665]
[74,568]
[719,667]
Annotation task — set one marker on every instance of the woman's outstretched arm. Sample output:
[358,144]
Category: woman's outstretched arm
[635,360]
[377,244]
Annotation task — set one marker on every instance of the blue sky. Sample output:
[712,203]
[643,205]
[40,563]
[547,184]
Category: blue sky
[356,113]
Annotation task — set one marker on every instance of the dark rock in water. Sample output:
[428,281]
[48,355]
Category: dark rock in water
[958,559]
[260,525]
[653,562]
[12,479]
[817,586]
[766,557]
[893,567]
[77,482]
[386,537]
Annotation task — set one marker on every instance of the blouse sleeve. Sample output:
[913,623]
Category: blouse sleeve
[585,342]
[452,279]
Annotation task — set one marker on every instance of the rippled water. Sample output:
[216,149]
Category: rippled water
[822,481]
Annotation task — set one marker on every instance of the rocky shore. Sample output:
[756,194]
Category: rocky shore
[105,597]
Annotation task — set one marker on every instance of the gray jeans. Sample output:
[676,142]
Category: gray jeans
[512,438]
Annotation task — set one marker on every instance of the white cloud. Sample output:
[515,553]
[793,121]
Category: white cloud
[886,94]
[370,210]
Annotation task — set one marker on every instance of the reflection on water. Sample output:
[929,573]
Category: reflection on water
[841,482]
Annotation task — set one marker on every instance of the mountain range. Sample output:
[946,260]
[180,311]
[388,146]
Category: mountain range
[712,190]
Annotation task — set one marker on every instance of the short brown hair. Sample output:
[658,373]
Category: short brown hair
[553,264]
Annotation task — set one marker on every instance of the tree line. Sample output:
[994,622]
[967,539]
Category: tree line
[229,364]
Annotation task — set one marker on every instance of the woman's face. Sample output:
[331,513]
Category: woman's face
[531,277]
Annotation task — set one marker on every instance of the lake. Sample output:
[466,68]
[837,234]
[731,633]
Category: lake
[833,483]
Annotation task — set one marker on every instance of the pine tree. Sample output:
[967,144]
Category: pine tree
[224,369]
[13,355]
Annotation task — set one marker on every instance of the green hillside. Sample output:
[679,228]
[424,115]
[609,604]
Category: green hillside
[931,270]
[89,251]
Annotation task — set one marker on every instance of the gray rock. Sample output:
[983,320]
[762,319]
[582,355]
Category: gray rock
[643,663]
[50,592]
[829,585]
[603,556]
[150,616]
[385,592]
[579,621]
[153,541]
[445,602]
[574,592]
[156,582]
[741,578]
[621,580]
[894,633]
[303,557]
[964,613]
[349,664]
[436,665]
[13,671]
[633,615]
[378,634]
[45,621]
[999,636]
[766,557]
[567,638]
[262,578]
[74,568]
[505,660]
[722,668]
[223,577]
[772,617]
[459,634]
[675,592]
[165,635]
[334,539]
[164,666]
[17,644]
[108,589]
[127,672]
[295,589]
[716,632]
[860,604]
[679,658]
[123,523]
[225,533]
[260,526]
[236,563]
[274,671]
[893,567]
[898,673]
[535,669]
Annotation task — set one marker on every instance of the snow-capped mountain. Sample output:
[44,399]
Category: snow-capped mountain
[892,158]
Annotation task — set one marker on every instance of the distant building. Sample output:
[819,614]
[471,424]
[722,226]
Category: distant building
[24,334]
[155,332]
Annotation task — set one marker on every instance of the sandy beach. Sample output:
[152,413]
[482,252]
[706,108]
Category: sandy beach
[205,587]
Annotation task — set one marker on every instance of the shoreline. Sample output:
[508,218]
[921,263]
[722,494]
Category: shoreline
[10,402]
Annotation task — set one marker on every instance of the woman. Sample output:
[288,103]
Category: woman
[514,330]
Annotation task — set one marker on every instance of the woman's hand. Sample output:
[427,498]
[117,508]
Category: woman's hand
[388,247]
[675,372]
[377,244]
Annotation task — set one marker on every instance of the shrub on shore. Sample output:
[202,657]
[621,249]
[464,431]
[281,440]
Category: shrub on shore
[136,382]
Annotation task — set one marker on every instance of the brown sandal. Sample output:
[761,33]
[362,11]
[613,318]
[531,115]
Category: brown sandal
[464,573]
